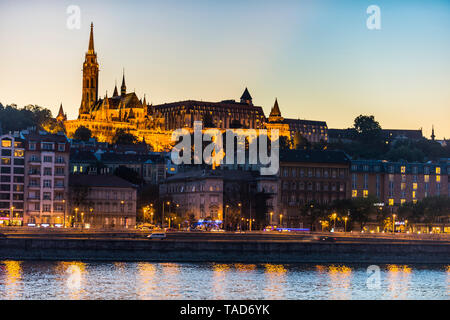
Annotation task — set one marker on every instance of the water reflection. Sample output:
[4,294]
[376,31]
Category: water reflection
[275,275]
[73,273]
[219,280]
[398,279]
[340,282]
[146,282]
[199,281]
[13,274]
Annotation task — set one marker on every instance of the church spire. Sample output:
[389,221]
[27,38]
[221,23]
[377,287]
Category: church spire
[91,39]
[246,97]
[116,93]
[61,116]
[123,88]
[275,113]
[432,134]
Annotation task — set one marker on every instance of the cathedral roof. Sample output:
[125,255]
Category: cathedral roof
[128,101]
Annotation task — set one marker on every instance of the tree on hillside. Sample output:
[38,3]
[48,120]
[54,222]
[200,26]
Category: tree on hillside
[82,133]
[124,137]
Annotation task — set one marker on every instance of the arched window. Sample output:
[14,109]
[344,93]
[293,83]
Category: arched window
[87,83]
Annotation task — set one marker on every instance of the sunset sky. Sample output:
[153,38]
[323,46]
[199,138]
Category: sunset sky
[317,57]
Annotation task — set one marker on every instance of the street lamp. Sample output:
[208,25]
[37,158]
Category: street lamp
[334,223]
[64,219]
[11,215]
[345,226]
[393,223]
[281,220]
[240,214]
[271,214]
[225,217]
[76,213]
[162,218]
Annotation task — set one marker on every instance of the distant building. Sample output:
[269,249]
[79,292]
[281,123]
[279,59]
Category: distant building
[395,183]
[390,135]
[215,193]
[103,201]
[12,181]
[312,131]
[307,176]
[150,167]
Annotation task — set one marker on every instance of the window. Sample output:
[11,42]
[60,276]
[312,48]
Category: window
[47,183]
[414,194]
[61,147]
[366,193]
[438,170]
[18,153]
[32,146]
[47,146]
[391,202]
[6,161]
[402,201]
[438,179]
[46,208]
[47,196]
[48,159]
[354,193]
[47,171]
[426,178]
[6,143]
[414,186]
[403,169]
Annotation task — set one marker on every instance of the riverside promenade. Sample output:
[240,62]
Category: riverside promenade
[254,247]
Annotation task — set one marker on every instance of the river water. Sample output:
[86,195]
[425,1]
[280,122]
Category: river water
[198,281]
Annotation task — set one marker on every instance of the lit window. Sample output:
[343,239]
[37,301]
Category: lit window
[354,193]
[366,193]
[414,194]
[438,178]
[403,169]
[402,201]
[391,202]
[426,178]
[438,170]
[6,143]
[414,186]
[415,201]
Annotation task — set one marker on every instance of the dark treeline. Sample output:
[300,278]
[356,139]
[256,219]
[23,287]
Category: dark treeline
[369,142]
[13,118]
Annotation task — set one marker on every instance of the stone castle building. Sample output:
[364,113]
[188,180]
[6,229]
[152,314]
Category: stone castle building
[104,116]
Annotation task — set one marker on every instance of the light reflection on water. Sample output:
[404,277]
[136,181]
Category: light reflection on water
[198,281]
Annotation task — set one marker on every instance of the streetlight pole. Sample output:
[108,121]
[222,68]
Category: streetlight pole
[240,216]
[271,214]
[225,217]
[281,220]
[393,223]
[11,215]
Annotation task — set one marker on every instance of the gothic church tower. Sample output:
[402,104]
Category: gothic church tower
[90,79]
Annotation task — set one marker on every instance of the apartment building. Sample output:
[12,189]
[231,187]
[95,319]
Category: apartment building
[46,178]
[101,201]
[308,176]
[395,183]
[11,180]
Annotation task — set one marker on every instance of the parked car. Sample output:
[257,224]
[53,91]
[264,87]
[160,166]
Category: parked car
[158,235]
[328,239]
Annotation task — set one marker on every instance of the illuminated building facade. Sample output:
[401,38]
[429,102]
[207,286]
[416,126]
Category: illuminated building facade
[46,178]
[395,183]
[12,169]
